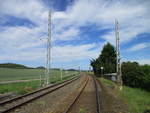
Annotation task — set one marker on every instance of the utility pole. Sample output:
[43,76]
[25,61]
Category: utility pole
[118,63]
[61,69]
[79,70]
[48,56]
[40,80]
[89,69]
[102,71]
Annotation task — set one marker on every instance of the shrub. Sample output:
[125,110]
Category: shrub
[135,75]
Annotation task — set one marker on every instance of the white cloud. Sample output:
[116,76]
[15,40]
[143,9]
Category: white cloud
[139,46]
[143,61]
[18,55]
[23,37]
[59,53]
[70,34]
[133,18]
[29,45]
[59,15]
[20,38]
[69,52]
[29,9]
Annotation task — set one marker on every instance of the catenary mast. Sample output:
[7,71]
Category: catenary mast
[118,63]
[48,56]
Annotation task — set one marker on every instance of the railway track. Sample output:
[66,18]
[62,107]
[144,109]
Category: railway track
[14,103]
[97,95]
[97,98]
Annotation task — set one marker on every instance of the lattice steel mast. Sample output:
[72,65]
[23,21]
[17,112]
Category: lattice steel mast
[118,63]
[48,56]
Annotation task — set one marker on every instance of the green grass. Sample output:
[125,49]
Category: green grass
[137,100]
[26,87]
[7,74]
[107,82]
[19,88]
[82,110]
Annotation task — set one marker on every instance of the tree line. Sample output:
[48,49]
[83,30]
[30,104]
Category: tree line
[106,59]
[13,65]
[133,74]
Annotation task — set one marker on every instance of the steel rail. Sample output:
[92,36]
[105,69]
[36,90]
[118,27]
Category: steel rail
[28,94]
[77,97]
[97,95]
[36,97]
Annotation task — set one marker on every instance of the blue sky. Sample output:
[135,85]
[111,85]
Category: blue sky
[80,28]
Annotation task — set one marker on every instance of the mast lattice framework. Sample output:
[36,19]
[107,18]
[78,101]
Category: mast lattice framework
[118,62]
[48,56]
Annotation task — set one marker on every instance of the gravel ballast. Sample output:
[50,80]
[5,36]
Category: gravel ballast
[86,103]
[50,102]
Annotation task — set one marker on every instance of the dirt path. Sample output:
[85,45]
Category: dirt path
[110,103]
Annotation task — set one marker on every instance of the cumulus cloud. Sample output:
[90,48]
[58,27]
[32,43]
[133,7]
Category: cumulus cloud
[17,38]
[23,56]
[145,61]
[29,9]
[133,16]
[133,19]
[142,61]
[70,52]
[20,37]
[139,46]
[59,54]
[70,34]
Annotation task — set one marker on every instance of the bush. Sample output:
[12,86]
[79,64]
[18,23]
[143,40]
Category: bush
[135,75]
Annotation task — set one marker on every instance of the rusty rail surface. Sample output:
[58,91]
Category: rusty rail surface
[81,91]
[97,95]
[77,97]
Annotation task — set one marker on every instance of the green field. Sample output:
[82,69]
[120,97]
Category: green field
[138,100]
[7,74]
[26,87]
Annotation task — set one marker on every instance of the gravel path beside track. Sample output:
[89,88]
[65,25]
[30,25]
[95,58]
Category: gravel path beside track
[110,102]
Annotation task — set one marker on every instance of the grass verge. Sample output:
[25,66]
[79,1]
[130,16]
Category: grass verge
[138,100]
[107,82]
[19,88]
[9,74]
[26,87]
